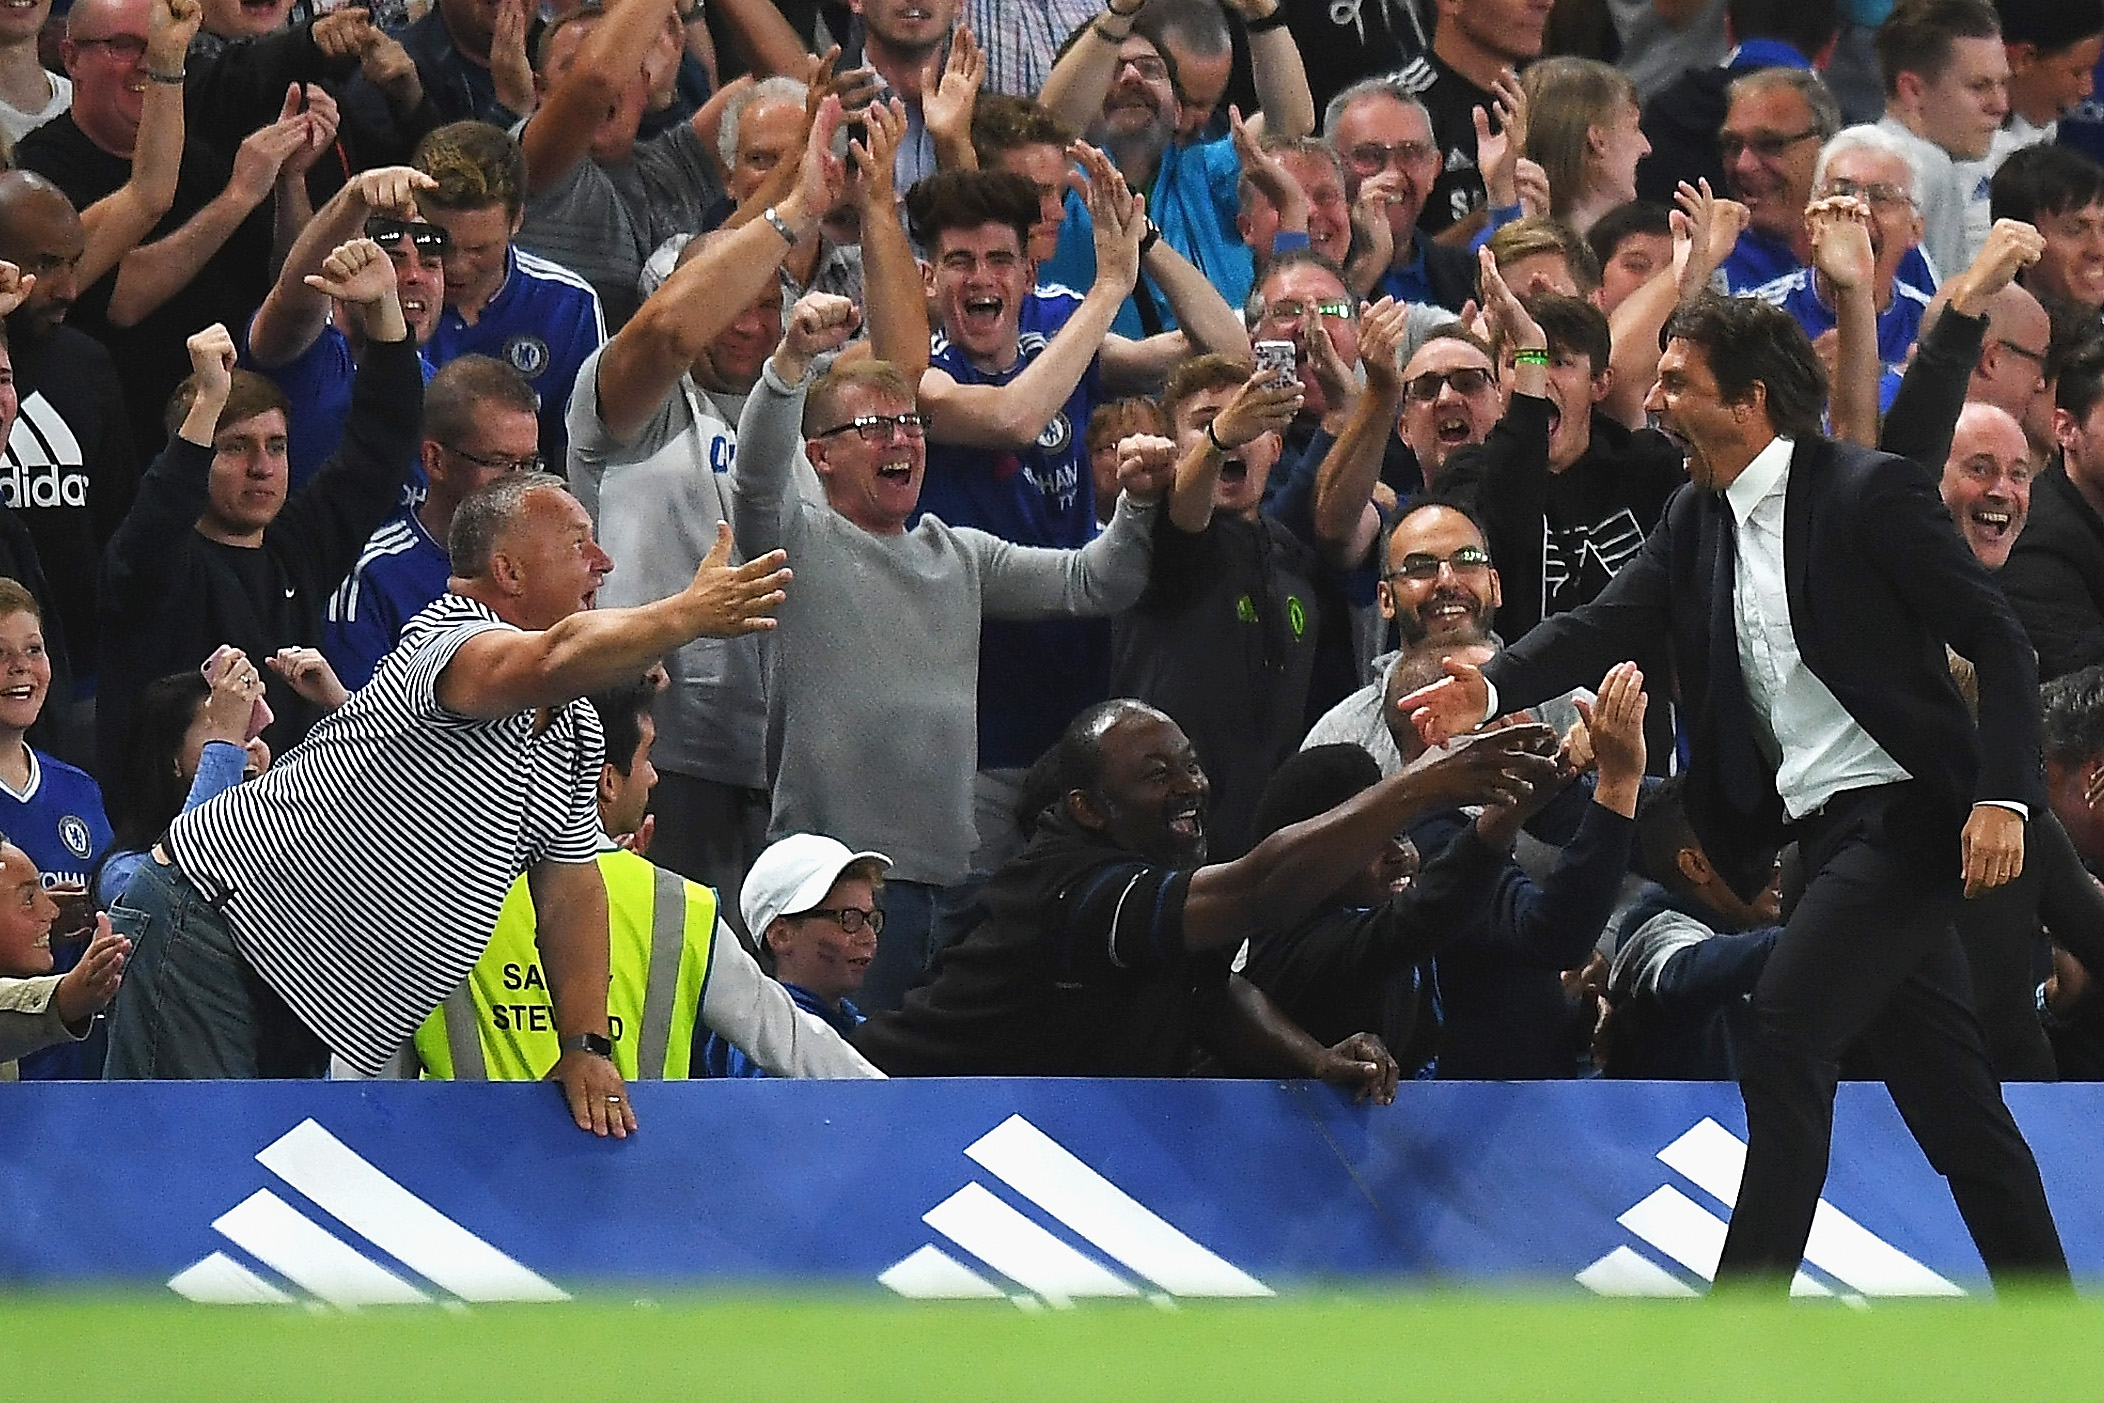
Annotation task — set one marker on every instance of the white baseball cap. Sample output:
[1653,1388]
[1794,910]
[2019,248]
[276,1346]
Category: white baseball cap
[794,875]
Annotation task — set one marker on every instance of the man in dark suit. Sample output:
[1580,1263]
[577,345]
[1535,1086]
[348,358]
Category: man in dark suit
[1807,590]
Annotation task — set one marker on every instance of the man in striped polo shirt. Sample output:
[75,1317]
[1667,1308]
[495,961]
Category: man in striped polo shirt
[330,905]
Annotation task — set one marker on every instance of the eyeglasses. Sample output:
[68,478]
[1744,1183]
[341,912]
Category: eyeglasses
[502,465]
[1371,157]
[129,48]
[1875,192]
[389,233]
[849,918]
[1730,145]
[1465,382]
[1423,565]
[1151,69]
[878,428]
[2037,358]
[1287,310]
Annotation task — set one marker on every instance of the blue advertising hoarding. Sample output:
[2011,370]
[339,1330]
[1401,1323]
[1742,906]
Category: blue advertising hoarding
[1040,1191]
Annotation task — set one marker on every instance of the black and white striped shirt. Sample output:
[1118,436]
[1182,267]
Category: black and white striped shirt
[362,874]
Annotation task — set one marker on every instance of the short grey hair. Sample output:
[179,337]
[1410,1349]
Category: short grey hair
[1365,90]
[481,521]
[1818,97]
[774,89]
[1868,138]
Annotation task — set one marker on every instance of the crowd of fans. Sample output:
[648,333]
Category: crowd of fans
[937,501]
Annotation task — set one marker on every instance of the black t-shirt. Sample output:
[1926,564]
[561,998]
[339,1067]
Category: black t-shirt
[150,357]
[1601,508]
[1451,101]
[70,469]
[1341,41]
[1076,968]
[1224,642]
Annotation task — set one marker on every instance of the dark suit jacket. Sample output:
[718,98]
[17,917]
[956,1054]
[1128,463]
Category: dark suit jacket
[1879,581]
[2055,576]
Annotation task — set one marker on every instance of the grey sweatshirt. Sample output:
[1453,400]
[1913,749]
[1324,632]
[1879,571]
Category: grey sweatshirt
[873,672]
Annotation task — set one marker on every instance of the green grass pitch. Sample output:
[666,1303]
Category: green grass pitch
[1350,1347]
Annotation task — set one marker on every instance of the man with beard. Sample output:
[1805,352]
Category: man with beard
[1102,950]
[71,465]
[1439,586]
[653,447]
[1223,641]
[1121,89]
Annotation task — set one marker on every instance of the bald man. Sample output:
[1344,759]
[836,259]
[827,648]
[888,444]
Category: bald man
[1987,480]
[2011,370]
[70,466]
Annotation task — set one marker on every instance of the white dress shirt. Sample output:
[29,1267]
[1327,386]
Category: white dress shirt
[1819,749]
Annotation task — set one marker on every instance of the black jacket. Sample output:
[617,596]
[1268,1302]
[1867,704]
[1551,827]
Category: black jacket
[2055,576]
[170,596]
[1681,124]
[1879,582]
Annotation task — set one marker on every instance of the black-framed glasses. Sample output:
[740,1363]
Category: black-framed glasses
[878,428]
[1870,192]
[531,464]
[389,234]
[1730,145]
[1423,565]
[1465,382]
[2037,358]
[129,48]
[1372,157]
[849,918]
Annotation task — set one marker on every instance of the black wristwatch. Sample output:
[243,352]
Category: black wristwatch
[598,1044]
[1149,239]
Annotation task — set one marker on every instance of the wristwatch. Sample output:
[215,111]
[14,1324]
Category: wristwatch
[1149,239]
[598,1044]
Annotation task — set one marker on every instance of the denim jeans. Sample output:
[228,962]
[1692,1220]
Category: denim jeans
[191,1006]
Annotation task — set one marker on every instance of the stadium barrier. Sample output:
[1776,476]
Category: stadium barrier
[1044,1192]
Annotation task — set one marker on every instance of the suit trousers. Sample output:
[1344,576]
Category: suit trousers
[1870,958]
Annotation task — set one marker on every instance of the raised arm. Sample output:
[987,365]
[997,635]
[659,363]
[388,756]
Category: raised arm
[1288,107]
[1205,323]
[151,274]
[1263,405]
[173,491]
[559,134]
[115,223]
[1075,88]
[757,1014]
[1704,229]
[295,310]
[949,93]
[644,361]
[1012,415]
[764,39]
[1346,521]
[1279,879]
[1841,254]
[891,282]
[1932,392]
[502,672]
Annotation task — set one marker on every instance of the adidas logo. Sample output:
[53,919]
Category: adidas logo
[321,1264]
[1048,1269]
[1842,1258]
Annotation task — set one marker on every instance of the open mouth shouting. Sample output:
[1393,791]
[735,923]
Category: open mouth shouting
[1454,428]
[1992,523]
[1187,822]
[896,473]
[982,315]
[1233,472]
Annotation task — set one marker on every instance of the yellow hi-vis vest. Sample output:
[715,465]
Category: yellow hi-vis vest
[499,1025]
